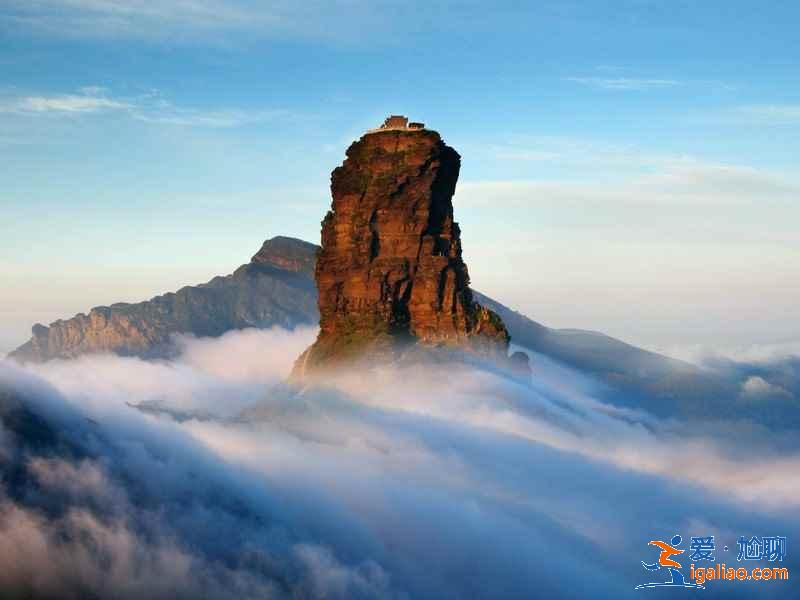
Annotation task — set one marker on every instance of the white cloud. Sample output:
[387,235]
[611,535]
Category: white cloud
[233,365]
[756,387]
[222,376]
[624,83]
[149,107]
[384,483]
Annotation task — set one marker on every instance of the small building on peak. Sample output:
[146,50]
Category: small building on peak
[398,122]
[395,122]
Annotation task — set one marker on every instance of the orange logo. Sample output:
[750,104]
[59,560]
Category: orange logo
[666,551]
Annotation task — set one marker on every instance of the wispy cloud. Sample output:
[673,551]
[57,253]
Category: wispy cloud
[500,152]
[87,99]
[624,83]
[202,21]
[150,108]
[682,182]
[607,162]
[67,103]
[770,114]
[582,154]
[233,22]
[137,18]
[171,115]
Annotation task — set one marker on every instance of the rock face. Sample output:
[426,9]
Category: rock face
[390,272]
[275,288]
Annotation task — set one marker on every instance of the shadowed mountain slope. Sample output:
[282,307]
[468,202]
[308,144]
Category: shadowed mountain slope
[657,383]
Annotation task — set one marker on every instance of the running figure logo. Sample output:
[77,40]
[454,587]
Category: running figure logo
[665,562]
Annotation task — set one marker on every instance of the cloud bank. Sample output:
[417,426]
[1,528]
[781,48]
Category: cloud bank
[423,483]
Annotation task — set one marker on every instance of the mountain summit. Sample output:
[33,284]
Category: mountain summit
[390,273]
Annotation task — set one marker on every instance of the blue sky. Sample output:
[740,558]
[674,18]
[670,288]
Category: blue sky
[629,167]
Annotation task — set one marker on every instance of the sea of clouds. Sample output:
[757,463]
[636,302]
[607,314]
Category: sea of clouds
[209,477]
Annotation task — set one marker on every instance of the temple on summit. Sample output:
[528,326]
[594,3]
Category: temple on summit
[398,122]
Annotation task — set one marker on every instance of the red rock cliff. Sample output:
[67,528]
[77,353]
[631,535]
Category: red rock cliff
[390,271]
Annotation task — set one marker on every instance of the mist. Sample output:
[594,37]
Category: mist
[209,477]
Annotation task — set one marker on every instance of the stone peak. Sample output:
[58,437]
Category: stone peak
[287,253]
[390,273]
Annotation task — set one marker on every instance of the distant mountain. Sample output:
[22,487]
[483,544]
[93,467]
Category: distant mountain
[657,383]
[277,288]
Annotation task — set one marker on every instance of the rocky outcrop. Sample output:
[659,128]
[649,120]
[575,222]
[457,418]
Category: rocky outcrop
[390,273]
[287,254]
[275,288]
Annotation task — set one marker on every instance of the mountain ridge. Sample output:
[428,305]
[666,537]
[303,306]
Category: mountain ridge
[274,288]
